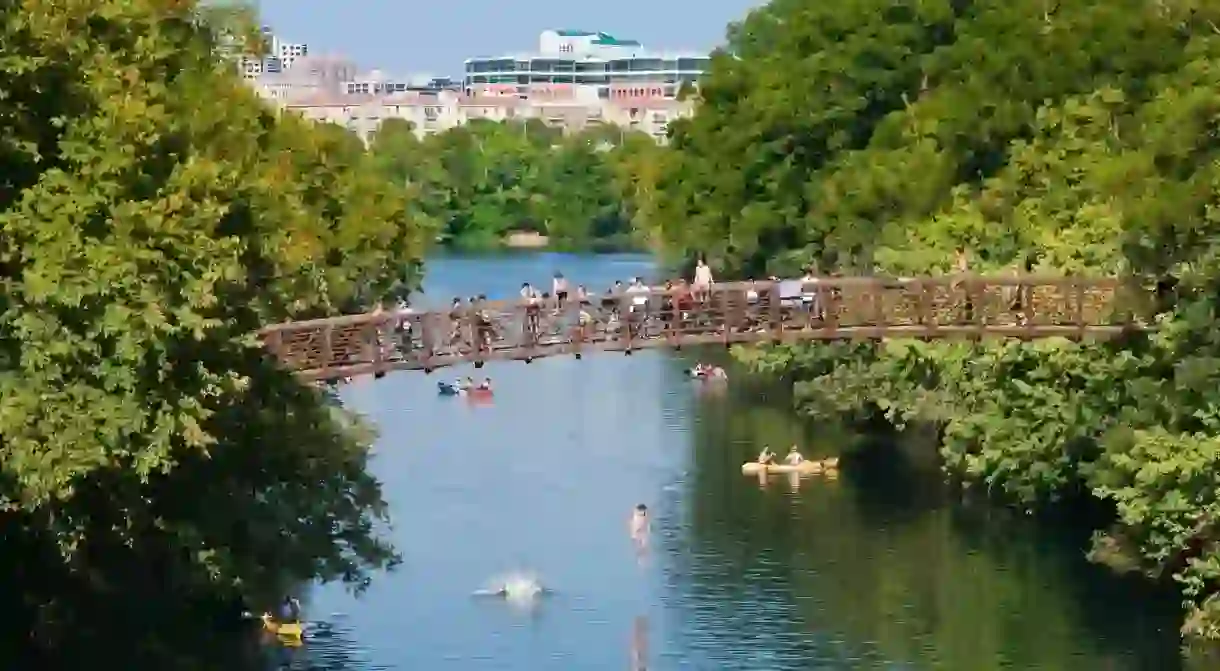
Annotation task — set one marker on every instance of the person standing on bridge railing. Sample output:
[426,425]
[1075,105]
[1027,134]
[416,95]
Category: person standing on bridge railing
[703,281]
[559,286]
[402,325]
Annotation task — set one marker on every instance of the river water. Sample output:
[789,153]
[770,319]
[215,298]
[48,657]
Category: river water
[879,569]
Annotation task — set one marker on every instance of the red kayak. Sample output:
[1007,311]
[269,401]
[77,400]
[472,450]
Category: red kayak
[480,394]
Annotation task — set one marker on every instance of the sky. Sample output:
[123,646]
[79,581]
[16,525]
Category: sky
[434,37]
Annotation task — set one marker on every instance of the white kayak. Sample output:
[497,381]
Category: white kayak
[805,467]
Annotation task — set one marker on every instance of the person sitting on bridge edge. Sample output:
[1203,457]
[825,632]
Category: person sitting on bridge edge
[766,456]
[794,458]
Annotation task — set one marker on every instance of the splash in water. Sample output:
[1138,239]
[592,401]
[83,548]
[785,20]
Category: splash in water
[515,587]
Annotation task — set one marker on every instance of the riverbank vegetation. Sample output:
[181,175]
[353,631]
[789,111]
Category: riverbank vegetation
[1066,137]
[159,472]
[482,182]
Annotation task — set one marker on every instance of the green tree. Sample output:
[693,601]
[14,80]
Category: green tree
[484,180]
[153,214]
[1075,137]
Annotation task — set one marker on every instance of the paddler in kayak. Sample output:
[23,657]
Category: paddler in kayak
[290,611]
[766,457]
[485,385]
[794,457]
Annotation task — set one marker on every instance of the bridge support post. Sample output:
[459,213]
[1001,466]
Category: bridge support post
[1077,299]
[775,312]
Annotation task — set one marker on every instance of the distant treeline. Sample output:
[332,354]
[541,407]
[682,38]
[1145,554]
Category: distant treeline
[480,182]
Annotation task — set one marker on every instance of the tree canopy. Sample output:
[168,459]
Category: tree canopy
[153,214]
[875,136]
[484,180]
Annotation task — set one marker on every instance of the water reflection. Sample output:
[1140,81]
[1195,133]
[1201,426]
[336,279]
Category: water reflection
[882,568]
[639,643]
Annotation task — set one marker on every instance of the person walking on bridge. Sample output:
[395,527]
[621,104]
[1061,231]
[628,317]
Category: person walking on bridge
[531,299]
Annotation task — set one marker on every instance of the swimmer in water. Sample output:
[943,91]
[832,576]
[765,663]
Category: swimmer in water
[640,526]
[519,588]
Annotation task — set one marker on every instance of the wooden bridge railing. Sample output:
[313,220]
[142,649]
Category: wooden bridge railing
[826,309]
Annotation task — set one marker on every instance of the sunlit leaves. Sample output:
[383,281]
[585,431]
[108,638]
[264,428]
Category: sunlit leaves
[867,137]
[153,214]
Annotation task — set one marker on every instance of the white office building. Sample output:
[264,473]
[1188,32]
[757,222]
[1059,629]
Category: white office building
[610,66]
[280,57]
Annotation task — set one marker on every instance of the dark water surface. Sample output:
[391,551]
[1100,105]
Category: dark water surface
[879,569]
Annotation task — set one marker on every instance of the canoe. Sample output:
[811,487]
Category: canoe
[807,467]
[447,389]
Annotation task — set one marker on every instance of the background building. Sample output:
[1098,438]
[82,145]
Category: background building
[309,76]
[577,79]
[607,66]
[436,111]
[280,57]
[377,82]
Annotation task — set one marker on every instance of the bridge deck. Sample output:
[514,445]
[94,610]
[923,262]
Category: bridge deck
[828,309]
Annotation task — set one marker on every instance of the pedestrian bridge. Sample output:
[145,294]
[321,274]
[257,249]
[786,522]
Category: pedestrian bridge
[857,308]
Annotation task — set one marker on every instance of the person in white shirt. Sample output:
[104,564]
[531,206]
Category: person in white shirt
[531,299]
[639,293]
[702,286]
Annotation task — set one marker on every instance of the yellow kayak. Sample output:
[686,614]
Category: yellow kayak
[283,629]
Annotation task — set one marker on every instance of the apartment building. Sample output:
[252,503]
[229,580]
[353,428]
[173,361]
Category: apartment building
[310,77]
[432,112]
[377,82]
